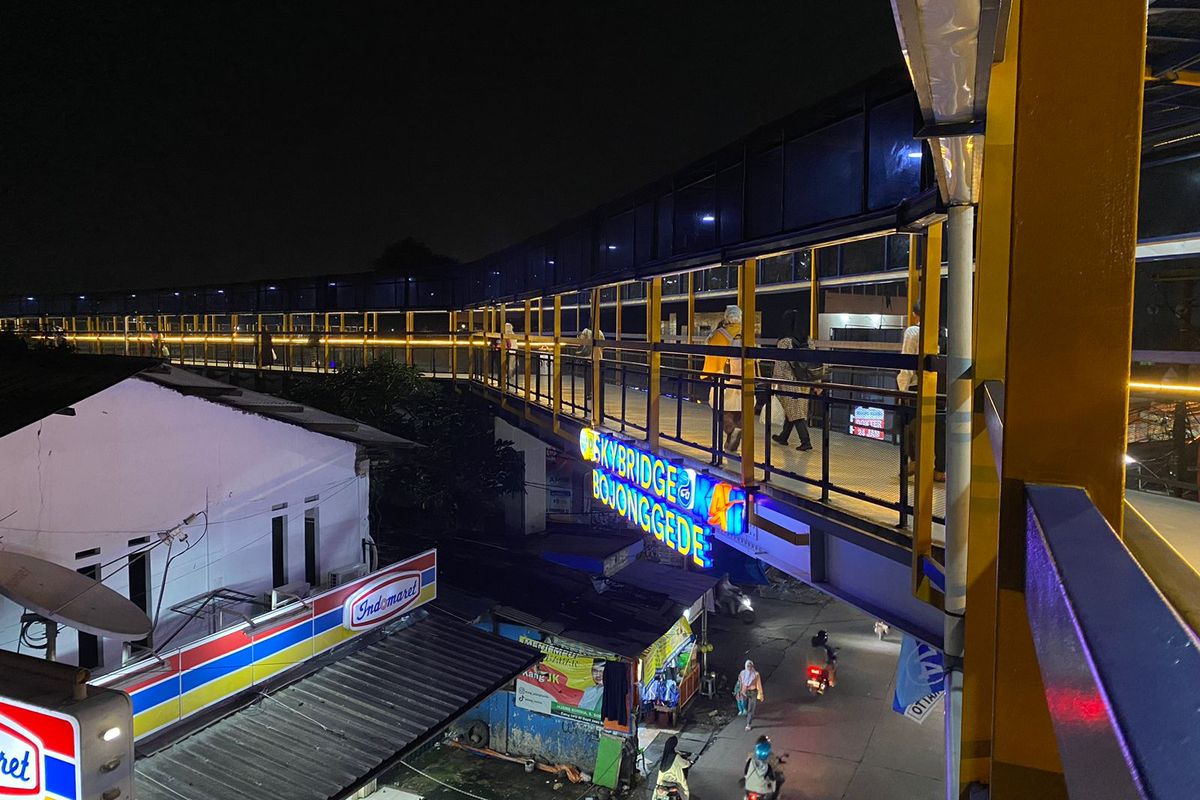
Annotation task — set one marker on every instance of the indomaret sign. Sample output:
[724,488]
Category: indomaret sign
[675,503]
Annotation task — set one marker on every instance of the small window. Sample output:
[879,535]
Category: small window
[312,532]
[95,551]
[279,572]
[90,651]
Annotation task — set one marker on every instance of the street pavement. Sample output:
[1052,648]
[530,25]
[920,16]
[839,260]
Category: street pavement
[845,745]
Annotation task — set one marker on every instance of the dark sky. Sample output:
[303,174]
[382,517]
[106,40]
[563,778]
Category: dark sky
[148,144]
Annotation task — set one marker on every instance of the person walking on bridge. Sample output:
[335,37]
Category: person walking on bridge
[717,365]
[791,397]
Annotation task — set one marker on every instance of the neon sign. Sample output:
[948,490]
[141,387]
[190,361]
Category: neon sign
[678,505]
[39,752]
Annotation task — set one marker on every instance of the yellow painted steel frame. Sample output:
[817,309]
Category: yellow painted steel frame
[556,381]
[409,320]
[528,358]
[691,315]
[653,361]
[597,359]
[502,378]
[914,279]
[747,279]
[1071,249]
[990,334]
[931,286]
[814,298]
[453,347]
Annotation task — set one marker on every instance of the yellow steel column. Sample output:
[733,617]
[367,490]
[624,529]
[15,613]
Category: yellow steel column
[1071,242]
[653,360]
[409,324]
[931,285]
[597,359]
[691,309]
[453,346]
[747,279]
[814,298]
[366,330]
[325,345]
[501,327]
[618,326]
[556,380]
[691,317]
[528,358]
[991,326]
[914,278]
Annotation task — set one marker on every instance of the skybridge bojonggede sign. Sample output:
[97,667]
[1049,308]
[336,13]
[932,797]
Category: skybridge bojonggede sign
[675,503]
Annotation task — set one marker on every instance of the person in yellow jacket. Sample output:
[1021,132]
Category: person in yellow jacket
[727,334]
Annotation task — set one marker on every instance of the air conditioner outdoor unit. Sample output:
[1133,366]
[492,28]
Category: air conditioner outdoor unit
[346,574]
[288,593]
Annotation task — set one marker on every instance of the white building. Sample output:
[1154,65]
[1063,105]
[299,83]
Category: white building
[107,463]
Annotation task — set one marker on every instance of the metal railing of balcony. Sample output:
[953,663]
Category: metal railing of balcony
[1120,668]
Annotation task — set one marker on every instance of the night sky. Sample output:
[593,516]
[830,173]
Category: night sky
[154,144]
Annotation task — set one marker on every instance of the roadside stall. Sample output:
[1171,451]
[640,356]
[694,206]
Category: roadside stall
[599,637]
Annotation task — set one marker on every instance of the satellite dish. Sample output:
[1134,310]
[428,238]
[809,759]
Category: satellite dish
[63,595]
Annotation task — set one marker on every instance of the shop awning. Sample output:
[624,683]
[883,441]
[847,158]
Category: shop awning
[328,733]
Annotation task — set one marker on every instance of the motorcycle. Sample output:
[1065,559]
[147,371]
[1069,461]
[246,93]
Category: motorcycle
[735,602]
[818,680]
[671,791]
[750,794]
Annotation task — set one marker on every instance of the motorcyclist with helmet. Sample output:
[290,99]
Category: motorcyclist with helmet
[820,654]
[763,776]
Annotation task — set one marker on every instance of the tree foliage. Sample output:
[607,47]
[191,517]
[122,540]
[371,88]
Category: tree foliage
[462,471]
[412,258]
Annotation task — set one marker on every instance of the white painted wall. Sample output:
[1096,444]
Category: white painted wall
[527,513]
[137,459]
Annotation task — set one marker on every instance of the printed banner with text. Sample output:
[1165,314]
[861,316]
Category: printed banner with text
[565,683]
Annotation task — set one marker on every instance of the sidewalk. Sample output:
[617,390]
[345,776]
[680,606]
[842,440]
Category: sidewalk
[845,745]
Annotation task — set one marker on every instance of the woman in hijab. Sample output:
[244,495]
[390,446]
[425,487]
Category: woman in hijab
[795,407]
[750,689]
[671,769]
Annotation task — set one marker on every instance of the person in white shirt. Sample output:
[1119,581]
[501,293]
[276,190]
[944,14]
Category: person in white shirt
[906,381]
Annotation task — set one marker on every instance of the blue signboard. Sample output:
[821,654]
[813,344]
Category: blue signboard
[675,503]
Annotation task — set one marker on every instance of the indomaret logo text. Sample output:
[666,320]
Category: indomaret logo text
[380,601]
[38,753]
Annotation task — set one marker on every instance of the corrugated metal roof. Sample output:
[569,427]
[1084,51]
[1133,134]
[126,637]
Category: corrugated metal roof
[329,732]
[680,585]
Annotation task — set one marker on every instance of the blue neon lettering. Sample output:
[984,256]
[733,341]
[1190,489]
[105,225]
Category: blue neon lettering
[644,513]
[659,497]
[658,479]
